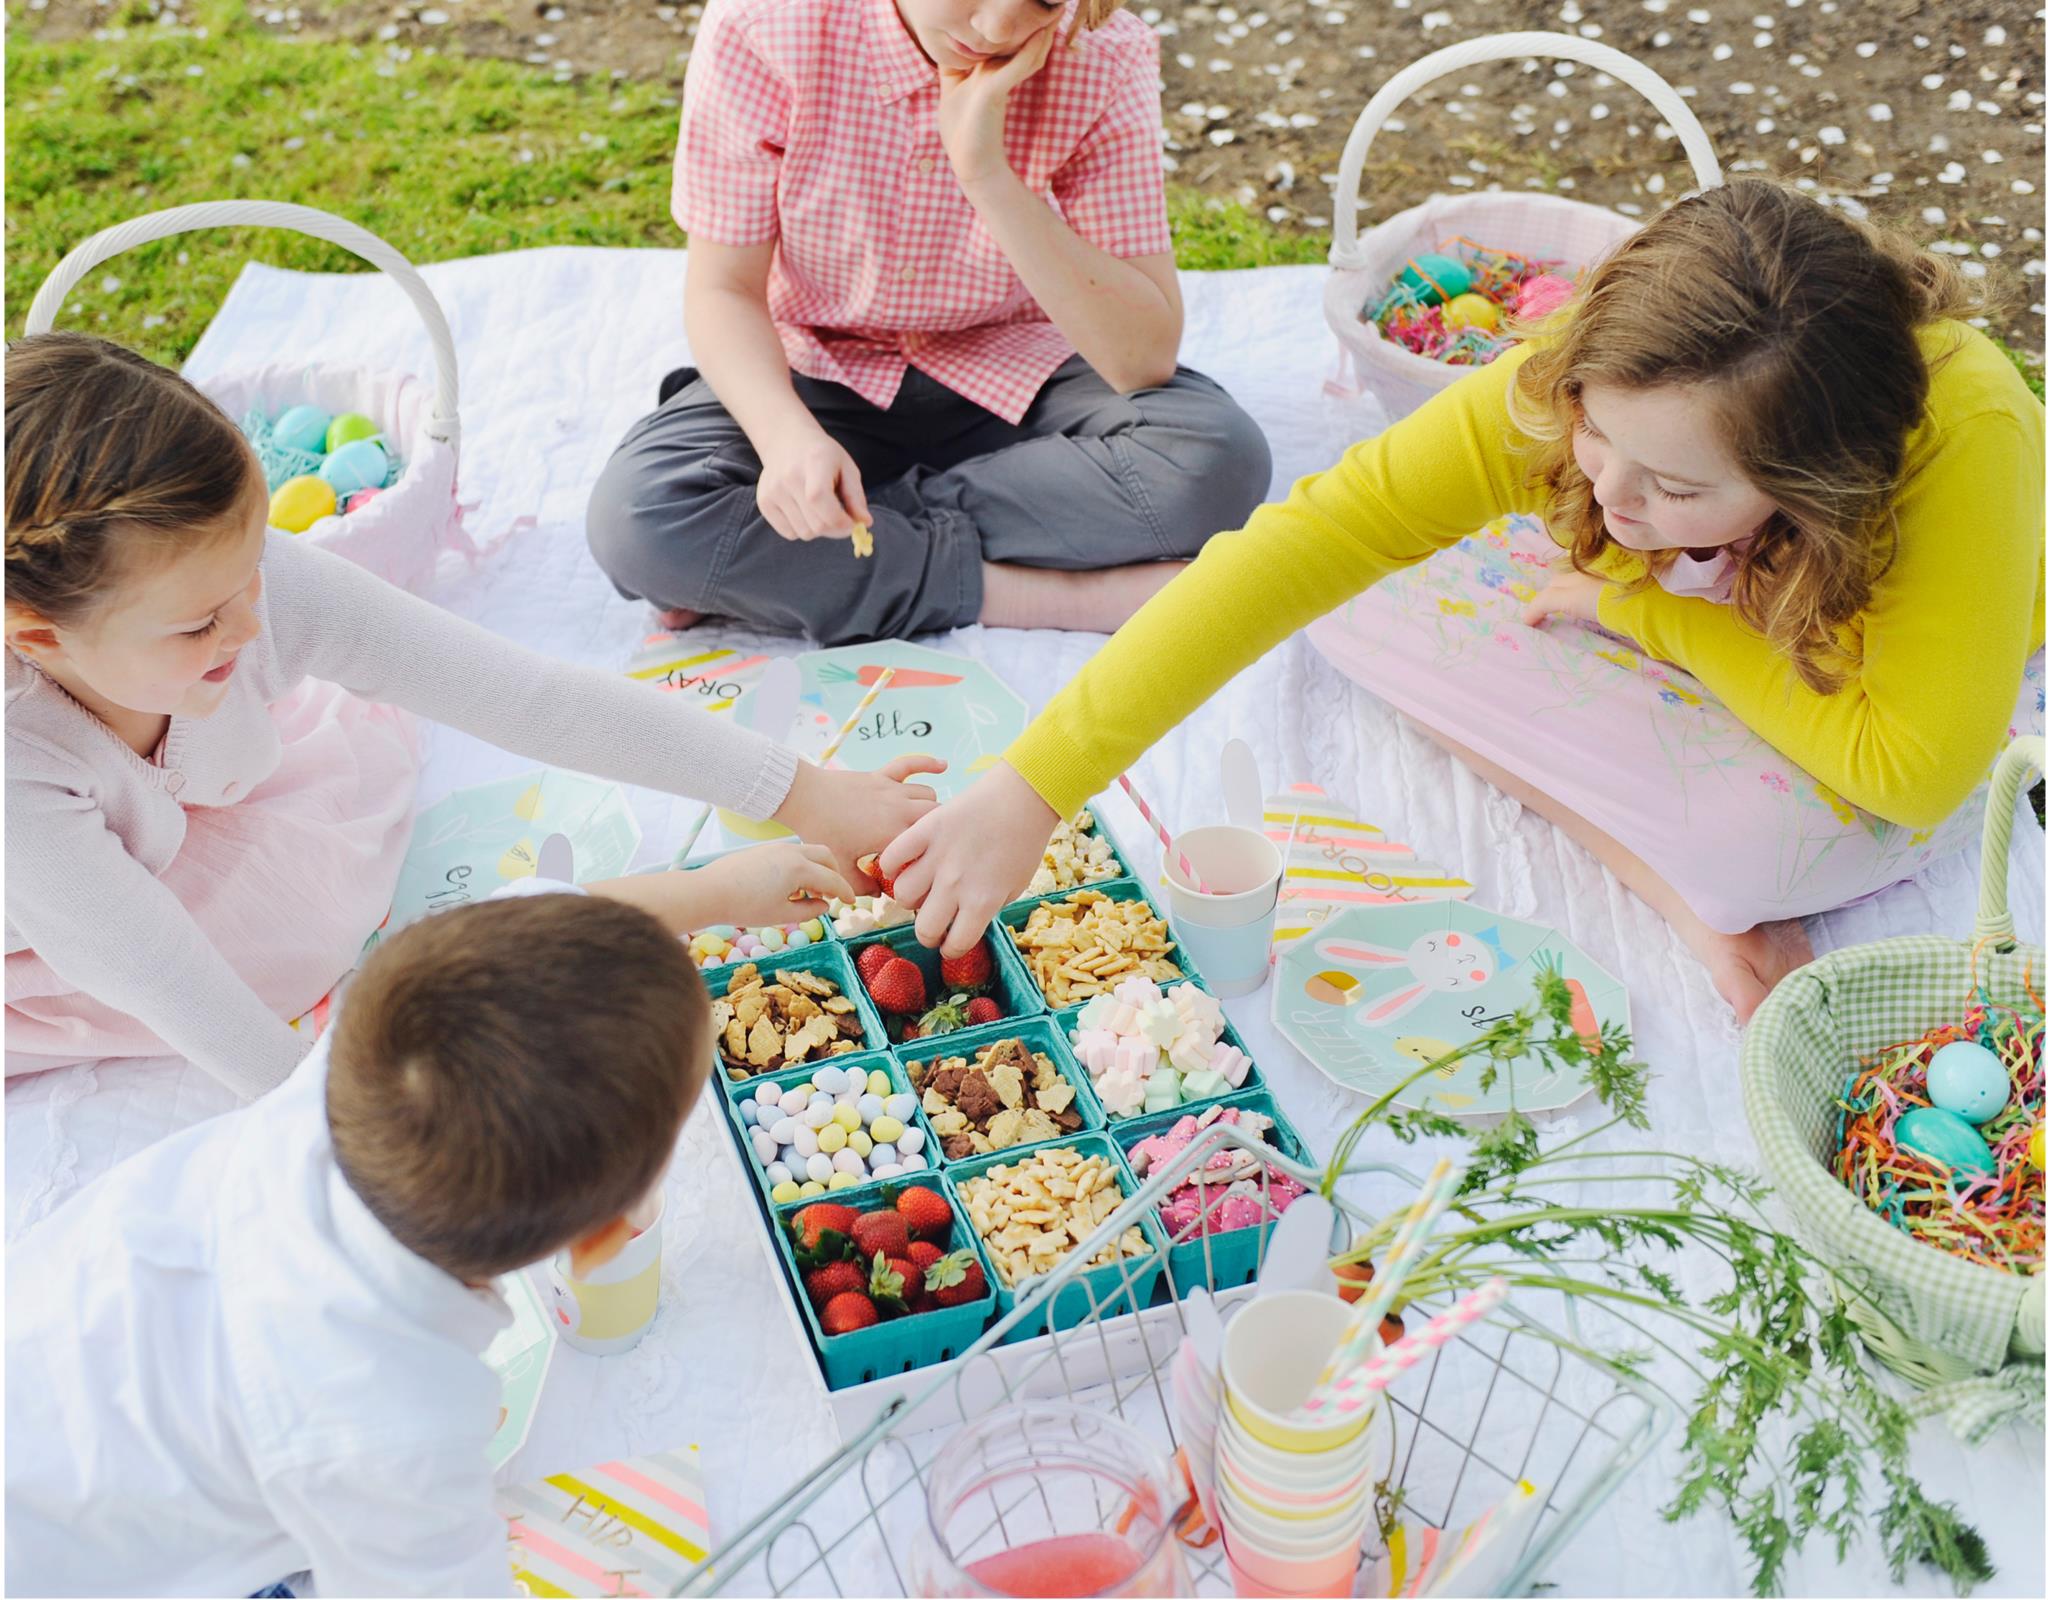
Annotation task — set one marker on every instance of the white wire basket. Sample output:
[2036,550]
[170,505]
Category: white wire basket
[1541,226]
[1505,1404]
[401,534]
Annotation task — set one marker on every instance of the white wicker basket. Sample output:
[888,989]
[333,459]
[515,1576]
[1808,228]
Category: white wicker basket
[1539,225]
[402,533]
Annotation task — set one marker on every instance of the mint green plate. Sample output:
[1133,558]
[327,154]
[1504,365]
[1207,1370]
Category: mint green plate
[519,1356]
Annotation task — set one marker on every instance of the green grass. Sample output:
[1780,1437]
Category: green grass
[443,156]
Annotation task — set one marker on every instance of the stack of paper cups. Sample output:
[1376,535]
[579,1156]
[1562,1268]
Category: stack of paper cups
[1293,1497]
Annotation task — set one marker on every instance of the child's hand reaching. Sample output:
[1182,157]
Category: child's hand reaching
[766,886]
[965,861]
[1569,593]
[853,814]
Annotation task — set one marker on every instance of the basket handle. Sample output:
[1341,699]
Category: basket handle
[443,425]
[1699,149]
[2022,760]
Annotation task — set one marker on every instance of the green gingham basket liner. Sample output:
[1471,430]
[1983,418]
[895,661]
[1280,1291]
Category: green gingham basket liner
[1971,1336]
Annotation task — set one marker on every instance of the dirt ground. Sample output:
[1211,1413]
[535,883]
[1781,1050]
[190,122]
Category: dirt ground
[1928,114]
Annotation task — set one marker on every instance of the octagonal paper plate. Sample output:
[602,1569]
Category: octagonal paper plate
[1376,991]
[520,1356]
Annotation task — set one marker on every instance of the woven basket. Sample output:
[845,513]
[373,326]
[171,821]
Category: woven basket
[401,534]
[1537,225]
[1970,1337]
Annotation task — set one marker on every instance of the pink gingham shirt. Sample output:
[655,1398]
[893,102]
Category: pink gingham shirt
[814,123]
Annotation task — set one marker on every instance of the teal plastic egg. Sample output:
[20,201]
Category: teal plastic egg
[1945,1137]
[1969,1080]
[360,465]
[301,428]
[1431,272]
[349,427]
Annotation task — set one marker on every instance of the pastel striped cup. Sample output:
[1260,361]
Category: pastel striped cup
[1274,1350]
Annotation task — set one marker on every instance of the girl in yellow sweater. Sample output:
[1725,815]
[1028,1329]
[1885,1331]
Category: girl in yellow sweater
[1760,447]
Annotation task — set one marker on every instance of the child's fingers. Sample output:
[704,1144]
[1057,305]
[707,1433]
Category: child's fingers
[853,496]
[908,846]
[914,883]
[970,921]
[934,917]
[905,766]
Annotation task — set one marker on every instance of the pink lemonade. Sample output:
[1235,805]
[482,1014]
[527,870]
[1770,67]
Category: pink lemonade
[1076,1564]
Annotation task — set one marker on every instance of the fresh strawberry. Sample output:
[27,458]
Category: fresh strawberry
[872,960]
[925,1212]
[971,971]
[983,1009]
[880,1233]
[956,1279]
[909,1033]
[910,1276]
[872,866]
[825,1284]
[921,1254]
[890,1290]
[898,987]
[813,1222]
[848,1313]
[948,1016]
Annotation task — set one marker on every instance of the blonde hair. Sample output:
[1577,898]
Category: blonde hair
[1800,325]
[110,459]
[1092,14]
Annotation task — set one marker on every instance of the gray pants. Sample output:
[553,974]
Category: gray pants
[1090,478]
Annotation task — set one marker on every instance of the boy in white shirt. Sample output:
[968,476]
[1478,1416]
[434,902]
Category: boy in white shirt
[253,1349]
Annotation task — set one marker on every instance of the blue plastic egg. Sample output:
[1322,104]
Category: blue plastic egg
[1945,1137]
[1969,1080]
[302,428]
[358,465]
[1430,272]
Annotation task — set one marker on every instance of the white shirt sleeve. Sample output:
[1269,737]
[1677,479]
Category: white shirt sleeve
[333,620]
[387,1526]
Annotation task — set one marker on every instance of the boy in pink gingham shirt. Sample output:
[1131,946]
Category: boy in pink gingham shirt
[931,292]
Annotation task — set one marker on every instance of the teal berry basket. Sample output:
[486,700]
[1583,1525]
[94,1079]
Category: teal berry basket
[1010,986]
[743,1093]
[1041,1036]
[1093,1294]
[1013,917]
[1124,866]
[1216,1261]
[905,1343]
[1069,1022]
[826,961]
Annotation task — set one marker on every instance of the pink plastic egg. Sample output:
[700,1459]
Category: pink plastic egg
[361,498]
[1541,296]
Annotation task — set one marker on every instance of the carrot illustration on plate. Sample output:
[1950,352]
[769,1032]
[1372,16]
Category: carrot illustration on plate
[1585,1023]
[906,677]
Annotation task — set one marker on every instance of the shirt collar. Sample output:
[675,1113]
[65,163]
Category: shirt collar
[899,68]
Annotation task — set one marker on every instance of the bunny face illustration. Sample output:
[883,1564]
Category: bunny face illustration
[1445,962]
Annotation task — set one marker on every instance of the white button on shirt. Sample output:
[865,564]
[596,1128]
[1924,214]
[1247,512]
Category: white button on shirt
[222,1369]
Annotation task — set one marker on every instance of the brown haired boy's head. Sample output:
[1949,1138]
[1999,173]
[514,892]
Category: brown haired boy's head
[507,1079]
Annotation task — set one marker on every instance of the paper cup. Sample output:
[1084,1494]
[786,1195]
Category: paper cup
[1254,1572]
[1291,1504]
[606,1313]
[1227,933]
[1274,1350]
[1295,1471]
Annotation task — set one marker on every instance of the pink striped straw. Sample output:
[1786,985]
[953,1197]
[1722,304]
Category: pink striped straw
[1187,867]
[1356,1387]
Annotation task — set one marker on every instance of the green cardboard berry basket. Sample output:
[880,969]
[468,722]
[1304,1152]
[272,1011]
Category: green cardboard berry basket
[1013,917]
[1042,1036]
[1070,1024]
[867,1061]
[827,960]
[902,1344]
[1217,1261]
[1095,1293]
[1011,987]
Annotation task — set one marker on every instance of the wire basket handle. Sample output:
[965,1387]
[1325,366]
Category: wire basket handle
[2022,760]
[103,246]
[1699,149]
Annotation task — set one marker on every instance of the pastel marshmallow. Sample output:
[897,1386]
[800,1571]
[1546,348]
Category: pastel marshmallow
[1198,1008]
[1122,1094]
[1096,1014]
[1232,1062]
[1191,1052]
[1160,1022]
[1137,1056]
[1204,1085]
[1137,991]
[1096,1048]
[1162,1090]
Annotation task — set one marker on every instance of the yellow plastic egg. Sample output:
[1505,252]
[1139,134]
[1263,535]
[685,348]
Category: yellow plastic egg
[2036,1152]
[1471,311]
[300,502]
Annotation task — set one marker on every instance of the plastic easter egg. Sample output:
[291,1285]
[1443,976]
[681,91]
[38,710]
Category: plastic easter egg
[301,428]
[1969,1080]
[1945,1137]
[2037,1146]
[1471,311]
[362,465]
[784,1192]
[878,1082]
[359,499]
[910,1161]
[348,428]
[300,502]
[1542,295]
[1432,272]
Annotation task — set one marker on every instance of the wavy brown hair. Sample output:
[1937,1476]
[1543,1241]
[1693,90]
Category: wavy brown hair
[111,460]
[1799,325]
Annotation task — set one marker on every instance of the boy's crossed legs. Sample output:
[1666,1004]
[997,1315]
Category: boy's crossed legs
[1072,518]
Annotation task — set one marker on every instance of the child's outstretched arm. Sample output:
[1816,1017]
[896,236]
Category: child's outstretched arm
[767,885]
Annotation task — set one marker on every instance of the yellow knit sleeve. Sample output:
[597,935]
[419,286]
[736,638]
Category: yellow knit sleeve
[1392,500]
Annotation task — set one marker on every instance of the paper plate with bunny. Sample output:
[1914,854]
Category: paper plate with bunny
[1378,991]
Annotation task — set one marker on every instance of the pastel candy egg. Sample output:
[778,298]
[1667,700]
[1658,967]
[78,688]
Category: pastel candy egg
[878,1082]
[887,1169]
[797,939]
[764,1147]
[913,1162]
[848,1117]
[300,502]
[362,465]
[860,1144]
[361,498]
[1969,1080]
[880,1156]
[815,928]
[773,938]
[769,1094]
[750,1113]
[871,1107]
[783,1130]
[842,1180]
[850,1096]
[806,1141]
[1436,276]
[847,1161]
[1471,311]
[910,1141]
[887,1130]
[777,1173]
[784,1192]
[810,1190]
[1945,1137]
[348,428]
[819,1167]
[302,428]
[817,1113]
[830,1079]
[900,1106]
[831,1139]
[795,1098]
